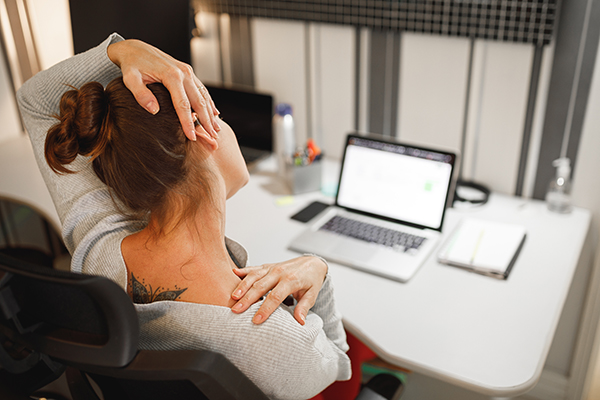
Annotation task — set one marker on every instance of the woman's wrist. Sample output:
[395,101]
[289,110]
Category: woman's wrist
[113,52]
[117,49]
[322,259]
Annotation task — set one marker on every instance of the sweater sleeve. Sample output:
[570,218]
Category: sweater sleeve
[83,203]
[39,100]
[326,309]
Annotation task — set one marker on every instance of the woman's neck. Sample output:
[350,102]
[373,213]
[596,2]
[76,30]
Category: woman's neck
[197,241]
[192,255]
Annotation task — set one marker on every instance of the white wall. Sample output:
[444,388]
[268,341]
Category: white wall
[333,72]
[11,124]
[315,63]
[205,50]
[496,118]
[280,66]
[433,87]
[51,26]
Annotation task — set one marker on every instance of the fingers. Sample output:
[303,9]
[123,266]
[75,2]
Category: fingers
[246,283]
[140,91]
[143,64]
[200,132]
[206,103]
[182,106]
[201,106]
[301,277]
[255,285]
[273,300]
[305,302]
[204,92]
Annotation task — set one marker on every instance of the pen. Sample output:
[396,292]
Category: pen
[308,155]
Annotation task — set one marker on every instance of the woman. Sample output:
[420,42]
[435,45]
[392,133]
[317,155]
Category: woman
[145,207]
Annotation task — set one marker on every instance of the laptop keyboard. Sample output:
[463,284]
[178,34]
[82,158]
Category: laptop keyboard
[397,240]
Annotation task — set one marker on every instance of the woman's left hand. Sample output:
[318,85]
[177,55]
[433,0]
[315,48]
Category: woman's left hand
[302,277]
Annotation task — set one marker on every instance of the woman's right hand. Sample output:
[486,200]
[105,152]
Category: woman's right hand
[301,277]
[143,64]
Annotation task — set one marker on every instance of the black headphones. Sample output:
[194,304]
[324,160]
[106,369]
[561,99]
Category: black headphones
[475,186]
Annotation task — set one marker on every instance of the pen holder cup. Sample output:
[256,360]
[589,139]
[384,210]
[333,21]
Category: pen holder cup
[304,178]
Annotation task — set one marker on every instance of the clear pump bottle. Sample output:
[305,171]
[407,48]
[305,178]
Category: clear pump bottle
[283,135]
[558,197]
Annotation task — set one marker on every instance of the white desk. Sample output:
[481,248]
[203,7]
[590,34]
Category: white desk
[483,334]
[476,332]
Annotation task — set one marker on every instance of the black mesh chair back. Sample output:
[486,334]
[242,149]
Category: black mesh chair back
[53,320]
[70,317]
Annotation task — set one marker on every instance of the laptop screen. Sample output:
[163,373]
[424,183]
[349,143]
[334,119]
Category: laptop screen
[398,182]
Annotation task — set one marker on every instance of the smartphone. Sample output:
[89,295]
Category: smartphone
[308,212]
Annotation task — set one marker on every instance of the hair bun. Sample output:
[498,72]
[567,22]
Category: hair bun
[81,128]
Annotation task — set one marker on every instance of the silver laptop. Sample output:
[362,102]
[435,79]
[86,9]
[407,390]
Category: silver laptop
[389,209]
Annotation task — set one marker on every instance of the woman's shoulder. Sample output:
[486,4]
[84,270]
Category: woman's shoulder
[98,248]
[199,324]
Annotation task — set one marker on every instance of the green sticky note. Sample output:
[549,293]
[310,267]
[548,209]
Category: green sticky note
[284,200]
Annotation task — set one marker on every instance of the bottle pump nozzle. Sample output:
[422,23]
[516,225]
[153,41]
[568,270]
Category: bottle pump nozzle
[563,170]
[558,196]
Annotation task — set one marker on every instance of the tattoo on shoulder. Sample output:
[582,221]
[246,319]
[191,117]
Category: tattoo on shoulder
[143,294]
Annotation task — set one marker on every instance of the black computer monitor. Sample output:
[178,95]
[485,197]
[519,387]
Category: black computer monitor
[250,115]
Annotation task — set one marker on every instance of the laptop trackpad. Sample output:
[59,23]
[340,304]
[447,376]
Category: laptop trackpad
[353,252]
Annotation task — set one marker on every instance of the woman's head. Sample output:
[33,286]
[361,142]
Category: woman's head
[144,159]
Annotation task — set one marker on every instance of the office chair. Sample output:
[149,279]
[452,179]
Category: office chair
[40,254]
[86,326]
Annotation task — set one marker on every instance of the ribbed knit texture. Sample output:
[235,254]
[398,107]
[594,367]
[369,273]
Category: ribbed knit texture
[286,360]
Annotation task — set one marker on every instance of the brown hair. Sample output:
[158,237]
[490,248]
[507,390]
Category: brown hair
[144,159]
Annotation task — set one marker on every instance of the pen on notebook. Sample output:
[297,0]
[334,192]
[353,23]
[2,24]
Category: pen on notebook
[481,233]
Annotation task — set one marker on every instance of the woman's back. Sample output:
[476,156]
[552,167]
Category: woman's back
[174,269]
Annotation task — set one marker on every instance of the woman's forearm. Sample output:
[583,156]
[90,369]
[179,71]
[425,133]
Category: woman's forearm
[39,97]
[39,100]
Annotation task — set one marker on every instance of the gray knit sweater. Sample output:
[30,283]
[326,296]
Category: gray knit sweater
[286,360]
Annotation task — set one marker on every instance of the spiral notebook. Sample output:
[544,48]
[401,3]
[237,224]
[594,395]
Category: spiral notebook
[486,247]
